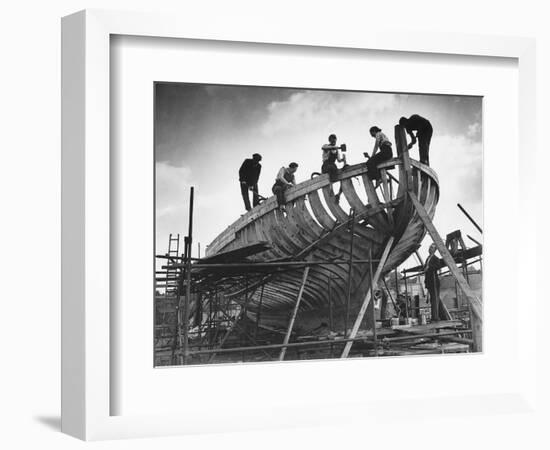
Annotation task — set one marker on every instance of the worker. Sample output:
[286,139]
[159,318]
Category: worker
[431,281]
[424,132]
[333,153]
[285,179]
[381,152]
[249,174]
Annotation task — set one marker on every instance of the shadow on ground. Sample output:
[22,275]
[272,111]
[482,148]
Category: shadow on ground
[52,422]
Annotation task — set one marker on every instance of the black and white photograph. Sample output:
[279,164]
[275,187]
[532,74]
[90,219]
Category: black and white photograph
[306,224]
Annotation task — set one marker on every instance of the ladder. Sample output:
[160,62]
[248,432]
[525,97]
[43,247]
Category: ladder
[171,271]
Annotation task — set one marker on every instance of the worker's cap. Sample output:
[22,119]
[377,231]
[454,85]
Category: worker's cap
[293,165]
[257,157]
[332,136]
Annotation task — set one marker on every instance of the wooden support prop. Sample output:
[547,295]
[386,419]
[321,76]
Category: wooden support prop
[403,154]
[350,268]
[473,300]
[188,280]
[386,193]
[372,306]
[470,218]
[473,240]
[330,324]
[258,314]
[368,297]
[294,313]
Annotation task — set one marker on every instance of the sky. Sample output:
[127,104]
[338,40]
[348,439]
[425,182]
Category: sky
[204,132]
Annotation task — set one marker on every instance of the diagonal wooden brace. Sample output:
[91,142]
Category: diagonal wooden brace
[294,313]
[473,300]
[367,299]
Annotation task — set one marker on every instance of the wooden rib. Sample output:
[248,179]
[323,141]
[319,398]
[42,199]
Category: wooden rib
[377,220]
[334,207]
[374,201]
[351,196]
[342,216]
[320,212]
[305,223]
[324,251]
[289,229]
[337,241]
[270,224]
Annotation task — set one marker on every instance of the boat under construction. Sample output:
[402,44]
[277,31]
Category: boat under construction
[302,279]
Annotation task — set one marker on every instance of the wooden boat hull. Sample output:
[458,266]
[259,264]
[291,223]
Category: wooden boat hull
[316,227]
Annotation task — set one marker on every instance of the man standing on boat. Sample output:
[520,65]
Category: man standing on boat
[285,179]
[424,132]
[333,153]
[249,174]
[431,280]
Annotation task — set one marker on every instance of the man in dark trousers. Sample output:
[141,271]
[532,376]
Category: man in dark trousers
[431,281]
[285,179]
[424,132]
[333,153]
[249,173]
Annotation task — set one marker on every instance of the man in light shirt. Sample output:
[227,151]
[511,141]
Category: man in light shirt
[332,154]
[285,179]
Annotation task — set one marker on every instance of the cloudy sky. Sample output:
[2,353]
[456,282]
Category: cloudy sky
[204,132]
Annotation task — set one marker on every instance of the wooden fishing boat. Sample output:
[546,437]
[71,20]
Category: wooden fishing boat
[306,251]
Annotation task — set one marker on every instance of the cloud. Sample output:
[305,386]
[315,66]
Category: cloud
[314,110]
[171,188]
[474,131]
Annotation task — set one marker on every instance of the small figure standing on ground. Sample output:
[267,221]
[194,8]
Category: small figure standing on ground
[424,132]
[431,281]
[332,154]
[249,174]
[285,179]
[383,144]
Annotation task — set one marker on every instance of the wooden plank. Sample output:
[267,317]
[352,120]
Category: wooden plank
[368,296]
[294,313]
[387,196]
[237,254]
[473,300]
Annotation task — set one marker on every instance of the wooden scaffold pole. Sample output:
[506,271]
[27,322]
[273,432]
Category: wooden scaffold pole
[294,313]
[188,280]
[473,300]
[368,297]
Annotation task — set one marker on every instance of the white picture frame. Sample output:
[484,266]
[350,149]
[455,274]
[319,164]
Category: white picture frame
[86,325]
